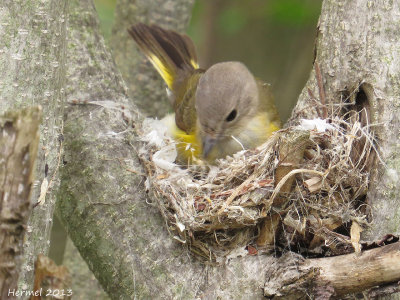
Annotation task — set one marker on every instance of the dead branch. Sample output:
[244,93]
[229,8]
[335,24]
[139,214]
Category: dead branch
[336,276]
[18,147]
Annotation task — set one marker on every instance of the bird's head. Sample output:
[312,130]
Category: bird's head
[226,99]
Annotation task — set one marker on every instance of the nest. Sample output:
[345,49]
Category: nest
[303,189]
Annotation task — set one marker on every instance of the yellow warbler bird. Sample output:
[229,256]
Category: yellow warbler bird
[218,111]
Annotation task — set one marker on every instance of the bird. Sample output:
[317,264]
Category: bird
[217,111]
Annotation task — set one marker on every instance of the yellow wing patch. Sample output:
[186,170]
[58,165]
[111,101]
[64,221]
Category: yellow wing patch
[186,144]
[194,64]
[162,70]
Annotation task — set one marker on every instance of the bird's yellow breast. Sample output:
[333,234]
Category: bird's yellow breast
[253,134]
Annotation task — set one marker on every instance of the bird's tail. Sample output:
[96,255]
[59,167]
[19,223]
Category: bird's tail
[168,51]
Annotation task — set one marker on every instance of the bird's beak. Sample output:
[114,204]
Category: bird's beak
[208,143]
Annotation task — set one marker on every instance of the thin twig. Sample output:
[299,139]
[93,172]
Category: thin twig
[321,90]
[311,94]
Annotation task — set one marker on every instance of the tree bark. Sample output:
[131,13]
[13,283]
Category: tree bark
[83,283]
[19,138]
[293,277]
[32,36]
[145,86]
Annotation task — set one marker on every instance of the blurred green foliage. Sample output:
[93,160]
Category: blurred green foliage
[231,20]
[105,9]
[292,12]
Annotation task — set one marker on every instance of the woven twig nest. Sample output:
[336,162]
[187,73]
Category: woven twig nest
[302,189]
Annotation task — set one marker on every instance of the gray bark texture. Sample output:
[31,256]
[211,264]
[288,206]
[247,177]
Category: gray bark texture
[32,35]
[83,283]
[145,86]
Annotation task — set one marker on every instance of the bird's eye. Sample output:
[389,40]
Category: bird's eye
[231,116]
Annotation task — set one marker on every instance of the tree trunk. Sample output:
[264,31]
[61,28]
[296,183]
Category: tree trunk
[83,283]
[32,36]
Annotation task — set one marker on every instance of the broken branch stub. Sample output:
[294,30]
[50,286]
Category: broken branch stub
[19,138]
[293,277]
